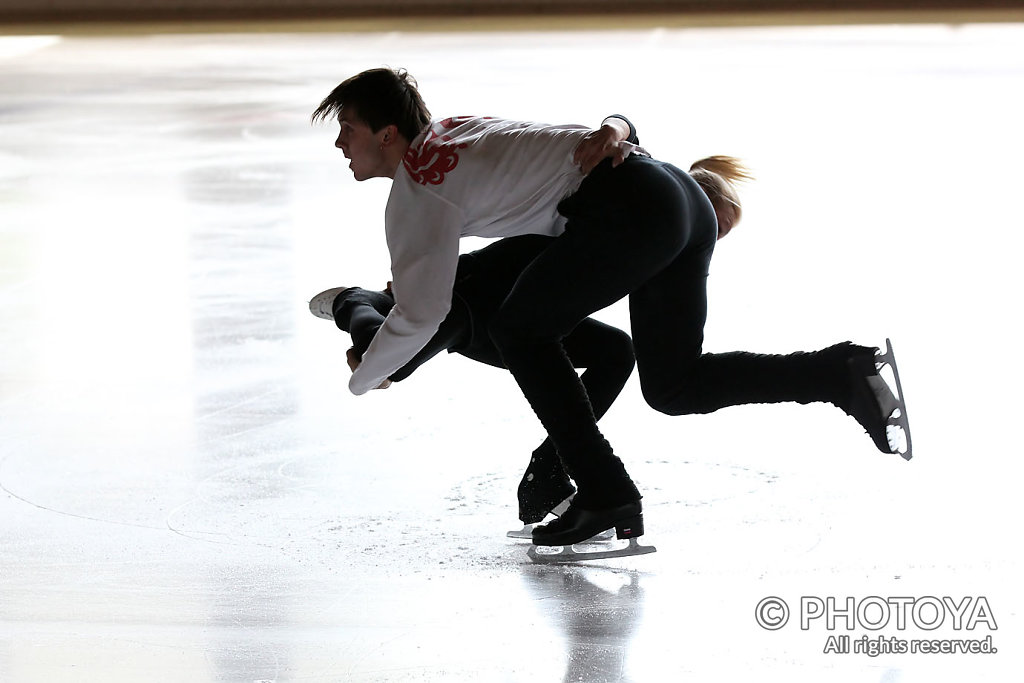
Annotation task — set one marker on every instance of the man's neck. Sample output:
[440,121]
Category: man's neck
[393,155]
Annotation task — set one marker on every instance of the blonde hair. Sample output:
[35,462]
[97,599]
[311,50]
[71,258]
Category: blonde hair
[717,176]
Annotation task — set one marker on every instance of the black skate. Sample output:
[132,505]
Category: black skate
[527,531]
[577,526]
[544,486]
[544,490]
[882,413]
[528,527]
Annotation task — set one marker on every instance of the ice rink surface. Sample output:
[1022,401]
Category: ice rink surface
[188,492]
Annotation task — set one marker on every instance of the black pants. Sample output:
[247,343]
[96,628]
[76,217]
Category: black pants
[643,229]
[483,281]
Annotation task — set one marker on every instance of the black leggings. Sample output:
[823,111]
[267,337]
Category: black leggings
[643,229]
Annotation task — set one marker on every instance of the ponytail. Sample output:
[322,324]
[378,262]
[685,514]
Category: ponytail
[730,168]
[717,176]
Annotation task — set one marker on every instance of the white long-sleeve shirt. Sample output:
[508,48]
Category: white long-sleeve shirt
[462,176]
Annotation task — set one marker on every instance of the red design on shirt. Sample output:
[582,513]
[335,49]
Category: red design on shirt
[437,156]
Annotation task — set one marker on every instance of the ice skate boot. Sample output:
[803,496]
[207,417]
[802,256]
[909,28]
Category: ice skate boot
[882,413]
[322,305]
[545,490]
[543,487]
[326,304]
[528,527]
[527,531]
[577,525]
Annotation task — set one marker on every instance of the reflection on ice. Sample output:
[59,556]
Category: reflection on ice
[595,611]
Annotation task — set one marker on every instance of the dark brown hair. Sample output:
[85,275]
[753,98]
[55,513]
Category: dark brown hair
[380,97]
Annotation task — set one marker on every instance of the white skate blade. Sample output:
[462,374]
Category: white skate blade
[897,424]
[527,533]
[561,554]
[320,305]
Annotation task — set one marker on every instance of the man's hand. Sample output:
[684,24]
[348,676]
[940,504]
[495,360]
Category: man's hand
[353,363]
[602,144]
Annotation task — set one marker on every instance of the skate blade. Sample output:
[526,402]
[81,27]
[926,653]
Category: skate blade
[527,533]
[898,425]
[566,553]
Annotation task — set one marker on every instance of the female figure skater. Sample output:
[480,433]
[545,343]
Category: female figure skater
[483,280]
[630,226]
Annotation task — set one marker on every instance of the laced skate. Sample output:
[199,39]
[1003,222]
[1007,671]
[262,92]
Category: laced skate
[323,304]
[897,421]
[577,525]
[881,412]
[543,487]
[527,531]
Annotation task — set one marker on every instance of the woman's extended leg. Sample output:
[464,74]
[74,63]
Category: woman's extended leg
[668,315]
[677,378]
[361,312]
